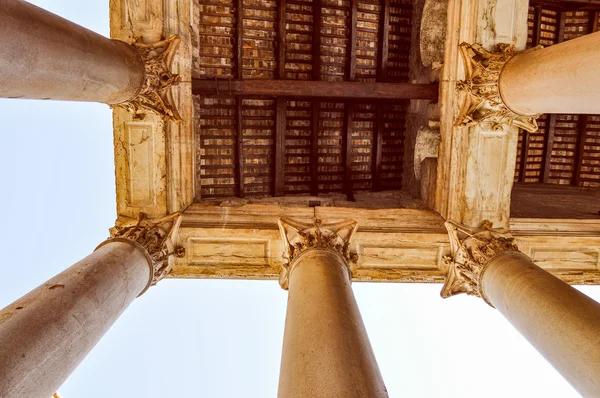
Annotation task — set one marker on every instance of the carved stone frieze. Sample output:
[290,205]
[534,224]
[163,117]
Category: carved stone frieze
[155,94]
[298,238]
[480,98]
[471,252]
[156,237]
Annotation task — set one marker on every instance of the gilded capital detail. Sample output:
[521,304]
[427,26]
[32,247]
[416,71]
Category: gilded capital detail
[299,237]
[155,94]
[479,97]
[471,252]
[156,237]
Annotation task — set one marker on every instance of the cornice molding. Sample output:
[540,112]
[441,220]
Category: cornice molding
[479,96]
[471,252]
[155,94]
[298,238]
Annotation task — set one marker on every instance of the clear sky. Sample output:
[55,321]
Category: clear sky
[218,338]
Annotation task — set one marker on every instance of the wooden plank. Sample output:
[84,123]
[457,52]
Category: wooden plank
[311,89]
[347,149]
[314,153]
[549,143]
[352,39]
[280,127]
[316,43]
[567,5]
[239,158]
[384,42]
[593,21]
[537,26]
[281,43]
[580,148]
[239,39]
[377,148]
[560,27]
[524,151]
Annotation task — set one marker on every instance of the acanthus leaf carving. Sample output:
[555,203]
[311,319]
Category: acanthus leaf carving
[480,97]
[298,238]
[471,251]
[156,236]
[155,94]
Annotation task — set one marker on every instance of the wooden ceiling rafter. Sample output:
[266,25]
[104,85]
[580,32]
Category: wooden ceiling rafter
[288,107]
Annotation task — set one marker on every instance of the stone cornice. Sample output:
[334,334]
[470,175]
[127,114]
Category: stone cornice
[471,252]
[155,94]
[479,97]
[299,238]
[156,238]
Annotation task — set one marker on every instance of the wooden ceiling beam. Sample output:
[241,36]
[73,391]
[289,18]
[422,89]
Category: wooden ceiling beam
[239,40]
[316,89]
[383,45]
[548,145]
[280,128]
[281,42]
[316,43]
[352,39]
[347,149]
[568,5]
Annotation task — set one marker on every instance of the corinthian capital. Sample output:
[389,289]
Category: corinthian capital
[479,97]
[156,238]
[471,252]
[155,94]
[299,237]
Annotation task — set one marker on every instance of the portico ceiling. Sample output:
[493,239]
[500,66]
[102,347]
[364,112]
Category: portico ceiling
[252,145]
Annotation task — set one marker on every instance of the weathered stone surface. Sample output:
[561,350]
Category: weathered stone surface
[428,180]
[433,32]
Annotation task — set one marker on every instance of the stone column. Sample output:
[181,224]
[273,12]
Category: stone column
[44,56]
[562,78]
[558,320]
[45,334]
[326,350]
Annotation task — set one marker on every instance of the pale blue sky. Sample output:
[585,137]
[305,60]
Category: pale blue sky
[218,338]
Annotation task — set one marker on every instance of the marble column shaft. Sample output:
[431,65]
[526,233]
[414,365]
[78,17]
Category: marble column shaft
[563,78]
[562,323]
[45,334]
[326,350]
[43,56]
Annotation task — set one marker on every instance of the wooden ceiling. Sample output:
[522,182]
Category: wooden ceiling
[250,144]
[566,148]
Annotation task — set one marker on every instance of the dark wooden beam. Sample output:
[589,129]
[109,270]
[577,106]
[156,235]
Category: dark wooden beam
[377,147]
[593,21]
[239,159]
[312,89]
[352,39]
[280,127]
[347,149]
[537,26]
[549,143]
[314,152]
[316,43]
[567,5]
[580,148]
[239,41]
[383,49]
[281,43]
[560,27]
[524,151]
